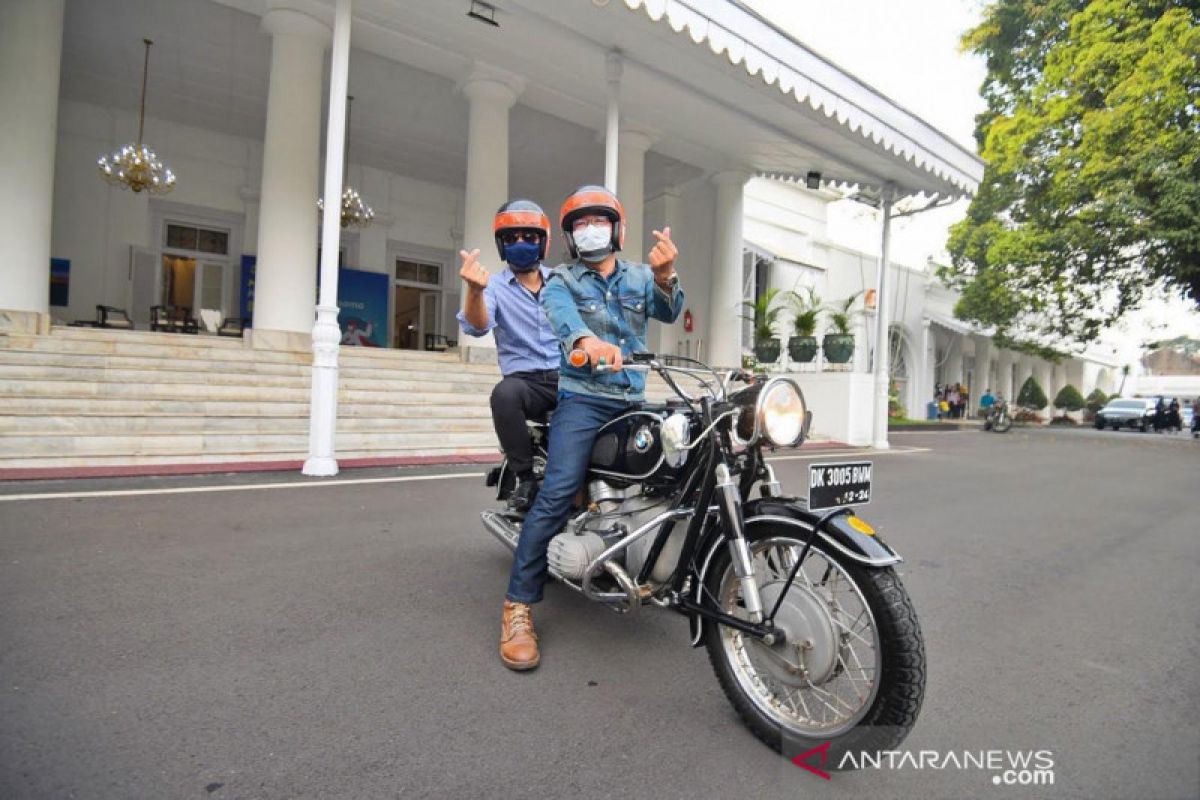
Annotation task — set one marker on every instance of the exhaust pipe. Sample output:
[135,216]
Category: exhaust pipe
[502,528]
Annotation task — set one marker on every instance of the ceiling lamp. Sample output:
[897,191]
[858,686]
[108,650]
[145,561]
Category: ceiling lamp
[136,166]
[355,212]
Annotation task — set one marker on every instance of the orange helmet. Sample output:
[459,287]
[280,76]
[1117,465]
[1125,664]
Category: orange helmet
[523,215]
[592,200]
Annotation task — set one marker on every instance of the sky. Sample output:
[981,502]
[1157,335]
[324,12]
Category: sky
[909,51]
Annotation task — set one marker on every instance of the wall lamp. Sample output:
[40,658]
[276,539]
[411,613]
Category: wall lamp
[812,180]
[484,12]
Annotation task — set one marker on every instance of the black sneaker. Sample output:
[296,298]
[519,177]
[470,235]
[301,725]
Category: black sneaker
[522,496]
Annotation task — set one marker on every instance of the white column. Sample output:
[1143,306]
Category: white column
[631,177]
[983,372]
[879,437]
[31,34]
[723,347]
[925,371]
[490,99]
[286,273]
[664,211]
[613,67]
[326,336]
[1003,386]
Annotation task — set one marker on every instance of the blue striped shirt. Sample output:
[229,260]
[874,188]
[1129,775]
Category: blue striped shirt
[524,339]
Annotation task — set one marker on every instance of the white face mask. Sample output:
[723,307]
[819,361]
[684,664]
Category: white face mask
[594,242]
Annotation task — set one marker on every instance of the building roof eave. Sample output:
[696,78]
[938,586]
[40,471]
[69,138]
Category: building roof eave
[782,62]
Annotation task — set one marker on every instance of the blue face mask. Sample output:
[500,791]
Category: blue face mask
[522,256]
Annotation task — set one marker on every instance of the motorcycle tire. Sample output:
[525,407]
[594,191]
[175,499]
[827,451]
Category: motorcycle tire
[896,700]
[1003,424]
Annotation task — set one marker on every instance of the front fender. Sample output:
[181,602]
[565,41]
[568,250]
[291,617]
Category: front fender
[866,549]
[837,534]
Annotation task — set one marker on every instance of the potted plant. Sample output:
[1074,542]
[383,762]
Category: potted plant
[839,345]
[765,316]
[806,306]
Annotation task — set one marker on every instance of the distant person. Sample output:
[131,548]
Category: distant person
[986,402]
[1174,417]
[1160,416]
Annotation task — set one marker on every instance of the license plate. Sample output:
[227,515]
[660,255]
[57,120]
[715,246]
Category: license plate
[837,485]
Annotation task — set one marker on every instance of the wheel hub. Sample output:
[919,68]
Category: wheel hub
[809,652]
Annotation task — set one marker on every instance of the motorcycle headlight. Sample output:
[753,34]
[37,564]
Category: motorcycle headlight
[781,415]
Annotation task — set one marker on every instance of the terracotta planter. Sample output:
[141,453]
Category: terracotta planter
[802,349]
[839,347]
[767,351]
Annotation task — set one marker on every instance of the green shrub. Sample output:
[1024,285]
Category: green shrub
[1031,395]
[1096,400]
[1069,399]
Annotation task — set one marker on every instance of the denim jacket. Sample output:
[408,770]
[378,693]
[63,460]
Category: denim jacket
[579,302]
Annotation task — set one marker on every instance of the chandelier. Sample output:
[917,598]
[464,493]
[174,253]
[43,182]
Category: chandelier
[355,212]
[136,166]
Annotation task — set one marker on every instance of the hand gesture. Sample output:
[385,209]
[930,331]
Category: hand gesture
[662,255]
[473,273]
[599,351]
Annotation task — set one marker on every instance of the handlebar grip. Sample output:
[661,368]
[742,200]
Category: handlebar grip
[578,358]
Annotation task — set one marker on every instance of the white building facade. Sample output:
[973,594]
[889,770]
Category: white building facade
[680,104]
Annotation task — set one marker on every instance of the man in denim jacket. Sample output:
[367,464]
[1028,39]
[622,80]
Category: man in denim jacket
[599,305]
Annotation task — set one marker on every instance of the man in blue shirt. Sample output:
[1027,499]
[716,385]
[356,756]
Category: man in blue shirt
[601,306]
[508,305]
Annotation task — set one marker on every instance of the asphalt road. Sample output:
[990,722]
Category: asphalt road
[339,641]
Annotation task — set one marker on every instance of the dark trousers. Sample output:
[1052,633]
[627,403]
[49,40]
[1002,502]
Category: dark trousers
[521,396]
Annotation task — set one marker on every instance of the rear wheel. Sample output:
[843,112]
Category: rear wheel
[851,670]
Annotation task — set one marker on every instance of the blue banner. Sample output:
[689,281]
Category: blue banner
[246,297]
[363,300]
[60,281]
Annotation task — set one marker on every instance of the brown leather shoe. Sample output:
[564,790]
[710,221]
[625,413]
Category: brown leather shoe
[518,640]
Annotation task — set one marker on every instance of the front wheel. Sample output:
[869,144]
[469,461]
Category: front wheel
[1003,423]
[851,670]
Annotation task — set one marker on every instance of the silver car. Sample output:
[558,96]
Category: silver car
[1126,413]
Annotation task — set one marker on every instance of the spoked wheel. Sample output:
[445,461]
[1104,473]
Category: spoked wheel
[1002,424]
[851,668]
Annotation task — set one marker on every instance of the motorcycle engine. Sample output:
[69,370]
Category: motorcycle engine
[616,512]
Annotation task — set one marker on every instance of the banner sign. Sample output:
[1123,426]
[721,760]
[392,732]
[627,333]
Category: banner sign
[363,300]
[837,485]
[60,281]
[246,296]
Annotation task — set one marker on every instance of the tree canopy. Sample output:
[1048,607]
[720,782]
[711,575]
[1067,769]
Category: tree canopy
[1091,195]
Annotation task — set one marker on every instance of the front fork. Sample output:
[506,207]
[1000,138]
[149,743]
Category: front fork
[739,548]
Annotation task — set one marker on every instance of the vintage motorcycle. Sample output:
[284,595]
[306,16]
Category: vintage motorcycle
[807,626]
[998,419]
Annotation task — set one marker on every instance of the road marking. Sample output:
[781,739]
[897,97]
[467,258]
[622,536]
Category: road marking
[237,487]
[248,487]
[851,453]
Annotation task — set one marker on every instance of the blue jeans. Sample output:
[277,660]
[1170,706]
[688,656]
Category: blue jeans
[572,432]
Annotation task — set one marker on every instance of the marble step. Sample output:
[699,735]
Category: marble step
[381,380]
[381,392]
[185,446]
[166,345]
[468,420]
[80,462]
[364,367]
[85,406]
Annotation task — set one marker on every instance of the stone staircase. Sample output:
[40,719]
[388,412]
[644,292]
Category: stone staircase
[89,398]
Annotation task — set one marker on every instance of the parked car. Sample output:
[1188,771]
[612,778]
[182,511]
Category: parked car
[1126,413]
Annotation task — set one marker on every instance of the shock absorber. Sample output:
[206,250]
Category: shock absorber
[739,548]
